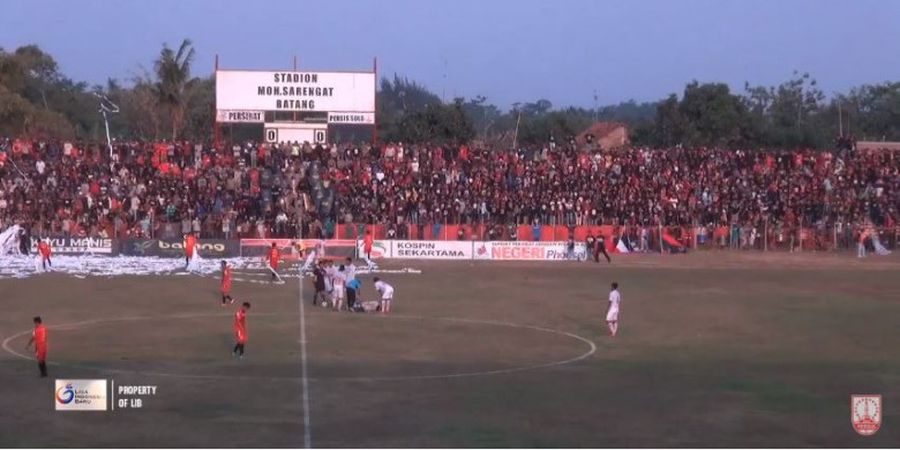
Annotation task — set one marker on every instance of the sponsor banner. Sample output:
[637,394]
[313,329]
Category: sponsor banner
[80,395]
[295,91]
[431,249]
[240,116]
[351,118]
[207,248]
[78,246]
[526,251]
[380,249]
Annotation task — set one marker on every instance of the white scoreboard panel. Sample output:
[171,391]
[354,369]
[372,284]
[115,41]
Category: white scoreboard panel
[348,92]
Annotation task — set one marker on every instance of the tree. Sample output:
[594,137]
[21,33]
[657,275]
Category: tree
[670,125]
[201,99]
[484,116]
[31,93]
[398,100]
[789,115]
[714,117]
[871,111]
[173,72]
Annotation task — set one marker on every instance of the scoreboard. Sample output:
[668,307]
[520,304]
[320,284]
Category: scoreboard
[314,100]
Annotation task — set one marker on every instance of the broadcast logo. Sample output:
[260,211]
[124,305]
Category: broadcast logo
[65,394]
[80,395]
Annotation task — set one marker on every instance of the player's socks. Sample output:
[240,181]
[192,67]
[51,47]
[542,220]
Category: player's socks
[43,367]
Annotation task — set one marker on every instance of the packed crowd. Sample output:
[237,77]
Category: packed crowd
[256,190]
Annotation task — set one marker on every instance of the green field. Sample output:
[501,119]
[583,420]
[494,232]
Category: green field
[714,349]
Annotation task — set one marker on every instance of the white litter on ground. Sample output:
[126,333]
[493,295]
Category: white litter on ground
[110,266]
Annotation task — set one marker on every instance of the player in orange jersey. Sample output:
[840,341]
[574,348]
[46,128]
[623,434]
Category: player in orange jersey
[273,257]
[189,243]
[45,251]
[39,339]
[368,240]
[226,284]
[240,330]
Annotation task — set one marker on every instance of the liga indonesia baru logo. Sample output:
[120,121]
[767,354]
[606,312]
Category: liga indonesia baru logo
[65,394]
[80,395]
[865,413]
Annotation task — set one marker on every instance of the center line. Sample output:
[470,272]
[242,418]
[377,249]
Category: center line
[307,438]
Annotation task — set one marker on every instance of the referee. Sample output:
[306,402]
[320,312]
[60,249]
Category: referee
[600,247]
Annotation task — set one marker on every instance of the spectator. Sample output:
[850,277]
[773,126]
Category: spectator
[68,188]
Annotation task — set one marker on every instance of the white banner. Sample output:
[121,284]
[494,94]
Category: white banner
[527,251]
[351,92]
[351,118]
[431,249]
[75,245]
[240,116]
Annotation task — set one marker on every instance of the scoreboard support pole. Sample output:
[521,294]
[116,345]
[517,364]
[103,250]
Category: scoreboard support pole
[216,113]
[375,128]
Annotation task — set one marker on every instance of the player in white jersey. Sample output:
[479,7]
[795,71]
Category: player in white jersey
[612,314]
[330,270]
[387,294]
[339,293]
[350,269]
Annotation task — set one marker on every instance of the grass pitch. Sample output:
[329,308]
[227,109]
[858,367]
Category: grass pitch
[714,348]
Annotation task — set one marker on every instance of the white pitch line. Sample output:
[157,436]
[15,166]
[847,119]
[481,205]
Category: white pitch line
[307,438]
[75,325]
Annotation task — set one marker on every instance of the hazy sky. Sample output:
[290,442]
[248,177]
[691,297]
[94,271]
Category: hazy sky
[506,50]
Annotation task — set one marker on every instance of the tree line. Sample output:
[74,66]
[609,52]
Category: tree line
[168,102]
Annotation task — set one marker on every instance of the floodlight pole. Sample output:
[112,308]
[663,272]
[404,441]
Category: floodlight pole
[108,139]
[106,106]
[516,137]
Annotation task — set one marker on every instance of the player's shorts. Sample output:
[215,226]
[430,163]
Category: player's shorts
[387,296]
[612,315]
[241,337]
[339,293]
[41,354]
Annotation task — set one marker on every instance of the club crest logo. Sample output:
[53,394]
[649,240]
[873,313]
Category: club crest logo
[865,413]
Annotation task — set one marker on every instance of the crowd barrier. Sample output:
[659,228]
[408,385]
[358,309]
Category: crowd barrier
[779,238]
[647,239]
[478,232]
[546,243]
